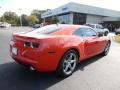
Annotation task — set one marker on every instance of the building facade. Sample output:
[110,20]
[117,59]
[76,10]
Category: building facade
[74,13]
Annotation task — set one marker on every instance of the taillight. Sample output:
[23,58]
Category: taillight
[31,44]
[34,45]
[27,44]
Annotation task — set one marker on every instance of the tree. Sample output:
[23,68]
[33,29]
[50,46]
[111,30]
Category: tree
[10,17]
[54,20]
[32,19]
[24,20]
[38,14]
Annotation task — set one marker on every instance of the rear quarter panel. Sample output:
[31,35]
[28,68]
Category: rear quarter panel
[59,45]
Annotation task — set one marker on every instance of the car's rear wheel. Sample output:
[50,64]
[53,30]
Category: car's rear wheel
[68,63]
[106,50]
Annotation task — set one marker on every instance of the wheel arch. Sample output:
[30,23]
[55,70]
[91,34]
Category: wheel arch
[76,50]
[71,48]
[68,49]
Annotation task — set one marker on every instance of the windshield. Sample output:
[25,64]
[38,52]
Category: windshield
[47,29]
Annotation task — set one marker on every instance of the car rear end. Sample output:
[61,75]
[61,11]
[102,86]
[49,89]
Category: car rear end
[36,49]
[36,53]
[24,49]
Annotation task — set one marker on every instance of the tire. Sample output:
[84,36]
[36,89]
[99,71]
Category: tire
[116,33]
[68,63]
[106,33]
[106,50]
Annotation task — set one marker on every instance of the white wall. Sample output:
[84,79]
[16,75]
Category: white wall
[94,19]
[111,19]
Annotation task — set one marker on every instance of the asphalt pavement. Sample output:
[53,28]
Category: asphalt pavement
[97,73]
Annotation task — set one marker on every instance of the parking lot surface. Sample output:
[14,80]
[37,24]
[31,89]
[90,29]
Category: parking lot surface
[97,73]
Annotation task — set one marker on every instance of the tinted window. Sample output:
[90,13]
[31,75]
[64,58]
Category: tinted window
[90,25]
[64,18]
[99,26]
[85,32]
[47,29]
[79,18]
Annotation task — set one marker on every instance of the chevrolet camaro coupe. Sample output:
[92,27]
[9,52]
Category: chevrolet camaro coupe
[57,47]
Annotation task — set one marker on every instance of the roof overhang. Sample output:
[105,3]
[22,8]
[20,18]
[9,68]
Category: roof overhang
[80,8]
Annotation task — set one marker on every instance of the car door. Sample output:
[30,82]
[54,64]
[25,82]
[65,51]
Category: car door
[90,40]
[90,46]
[101,43]
[93,43]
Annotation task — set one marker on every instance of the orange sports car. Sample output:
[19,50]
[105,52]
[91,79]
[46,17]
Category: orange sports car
[57,47]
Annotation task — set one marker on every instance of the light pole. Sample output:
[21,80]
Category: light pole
[20,17]
[0,8]
[3,18]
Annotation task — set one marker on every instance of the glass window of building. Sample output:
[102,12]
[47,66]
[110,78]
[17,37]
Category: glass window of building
[79,18]
[64,18]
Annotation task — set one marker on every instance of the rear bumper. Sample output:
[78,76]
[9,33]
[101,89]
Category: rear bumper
[44,63]
[40,58]
[24,60]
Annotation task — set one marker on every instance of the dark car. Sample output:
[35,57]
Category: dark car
[36,26]
[117,31]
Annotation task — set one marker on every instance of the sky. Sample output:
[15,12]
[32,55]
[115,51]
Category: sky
[27,6]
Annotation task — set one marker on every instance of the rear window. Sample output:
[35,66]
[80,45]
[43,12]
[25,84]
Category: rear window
[48,29]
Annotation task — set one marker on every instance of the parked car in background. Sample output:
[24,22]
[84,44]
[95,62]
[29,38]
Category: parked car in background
[5,25]
[36,26]
[99,28]
[117,31]
[57,47]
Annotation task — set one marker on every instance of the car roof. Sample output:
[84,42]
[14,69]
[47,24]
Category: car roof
[72,25]
[68,29]
[60,29]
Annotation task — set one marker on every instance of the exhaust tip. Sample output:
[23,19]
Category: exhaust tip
[32,68]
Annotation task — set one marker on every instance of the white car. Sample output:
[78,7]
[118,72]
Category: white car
[99,28]
[5,25]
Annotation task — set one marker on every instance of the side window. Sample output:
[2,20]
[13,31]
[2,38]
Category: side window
[85,32]
[101,27]
[78,32]
[97,26]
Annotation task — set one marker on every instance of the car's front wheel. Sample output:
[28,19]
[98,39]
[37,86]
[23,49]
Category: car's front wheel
[106,50]
[68,63]
[106,33]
